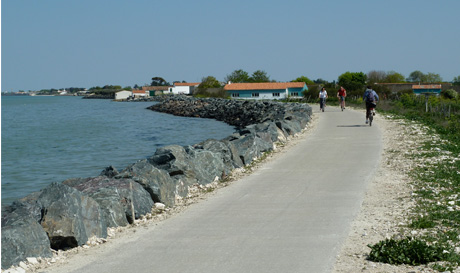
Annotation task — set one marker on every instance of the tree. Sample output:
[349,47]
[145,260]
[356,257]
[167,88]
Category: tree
[352,80]
[237,76]
[394,77]
[260,76]
[432,78]
[415,76]
[304,79]
[209,82]
[456,80]
[159,81]
[376,76]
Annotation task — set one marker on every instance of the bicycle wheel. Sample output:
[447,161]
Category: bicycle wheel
[371,118]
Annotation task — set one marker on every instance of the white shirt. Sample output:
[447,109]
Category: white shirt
[323,94]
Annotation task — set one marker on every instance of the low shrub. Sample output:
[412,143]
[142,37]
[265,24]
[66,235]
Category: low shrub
[449,94]
[406,251]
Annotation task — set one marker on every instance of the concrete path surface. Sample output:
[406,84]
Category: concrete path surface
[290,215]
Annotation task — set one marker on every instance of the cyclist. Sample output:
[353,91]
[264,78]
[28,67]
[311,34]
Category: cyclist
[322,99]
[370,97]
[341,94]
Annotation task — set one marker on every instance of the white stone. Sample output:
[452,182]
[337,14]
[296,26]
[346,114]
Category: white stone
[15,270]
[32,260]
[160,206]
[23,265]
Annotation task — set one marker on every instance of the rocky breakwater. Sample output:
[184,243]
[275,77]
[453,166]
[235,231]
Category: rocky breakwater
[65,215]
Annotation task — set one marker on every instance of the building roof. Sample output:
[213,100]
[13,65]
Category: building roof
[156,88]
[138,91]
[187,83]
[427,86]
[263,85]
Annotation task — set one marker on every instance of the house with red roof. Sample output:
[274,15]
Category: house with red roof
[265,90]
[139,93]
[427,89]
[152,91]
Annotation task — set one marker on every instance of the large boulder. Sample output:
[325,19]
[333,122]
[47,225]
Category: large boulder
[250,147]
[206,165]
[116,198]
[70,217]
[22,235]
[221,149]
[174,159]
[237,160]
[157,182]
[188,166]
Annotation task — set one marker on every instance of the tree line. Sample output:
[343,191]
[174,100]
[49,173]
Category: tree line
[352,81]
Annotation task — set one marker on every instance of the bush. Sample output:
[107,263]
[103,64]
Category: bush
[407,251]
[312,91]
[210,93]
[408,100]
[449,94]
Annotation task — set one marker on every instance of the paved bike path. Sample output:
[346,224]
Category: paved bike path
[291,215]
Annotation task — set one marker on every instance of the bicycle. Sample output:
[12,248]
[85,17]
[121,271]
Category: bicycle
[322,104]
[342,102]
[372,113]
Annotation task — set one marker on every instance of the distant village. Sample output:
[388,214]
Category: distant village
[258,86]
[265,90]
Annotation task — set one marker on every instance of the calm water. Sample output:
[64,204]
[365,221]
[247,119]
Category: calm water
[47,139]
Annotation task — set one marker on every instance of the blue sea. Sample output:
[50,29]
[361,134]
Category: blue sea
[52,138]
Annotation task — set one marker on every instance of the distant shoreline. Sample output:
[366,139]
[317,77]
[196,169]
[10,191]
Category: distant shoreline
[34,95]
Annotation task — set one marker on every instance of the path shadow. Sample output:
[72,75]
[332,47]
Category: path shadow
[365,125]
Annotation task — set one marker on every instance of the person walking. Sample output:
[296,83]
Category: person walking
[322,99]
[341,94]
[371,98]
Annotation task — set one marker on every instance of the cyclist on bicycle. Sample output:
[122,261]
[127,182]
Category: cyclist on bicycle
[322,99]
[341,94]
[371,98]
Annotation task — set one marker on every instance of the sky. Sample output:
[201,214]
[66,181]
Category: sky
[85,43]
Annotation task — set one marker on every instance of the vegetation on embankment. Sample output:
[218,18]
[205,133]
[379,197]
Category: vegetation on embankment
[433,235]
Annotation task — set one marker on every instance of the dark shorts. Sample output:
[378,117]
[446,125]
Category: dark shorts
[342,98]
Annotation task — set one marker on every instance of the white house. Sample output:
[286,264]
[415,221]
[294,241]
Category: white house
[265,90]
[186,88]
[122,95]
[140,93]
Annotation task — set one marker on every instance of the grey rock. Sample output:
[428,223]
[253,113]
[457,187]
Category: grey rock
[221,149]
[110,171]
[188,165]
[156,182]
[206,165]
[69,217]
[174,159]
[22,237]
[250,147]
[115,197]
